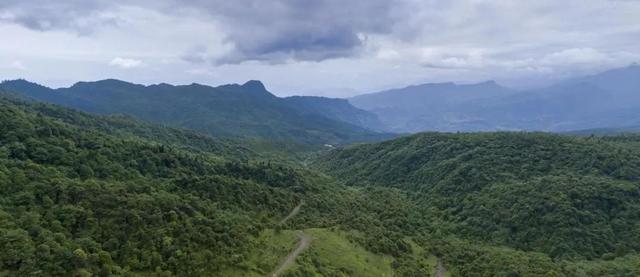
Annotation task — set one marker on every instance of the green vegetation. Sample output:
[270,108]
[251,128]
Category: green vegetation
[541,199]
[78,200]
[84,195]
[333,254]
[271,247]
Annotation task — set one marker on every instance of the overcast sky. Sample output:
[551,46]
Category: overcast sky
[322,47]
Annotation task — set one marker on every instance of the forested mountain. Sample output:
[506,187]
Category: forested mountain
[608,99]
[566,197]
[108,195]
[76,200]
[86,195]
[246,111]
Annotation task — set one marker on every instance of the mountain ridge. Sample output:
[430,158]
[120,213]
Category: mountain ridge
[607,99]
[247,110]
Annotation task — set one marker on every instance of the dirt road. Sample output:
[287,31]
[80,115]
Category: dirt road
[293,213]
[440,269]
[305,241]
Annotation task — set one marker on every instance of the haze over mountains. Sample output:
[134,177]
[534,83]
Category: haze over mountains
[608,99]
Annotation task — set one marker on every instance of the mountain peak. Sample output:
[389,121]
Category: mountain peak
[254,85]
[104,84]
[489,82]
[19,82]
[22,84]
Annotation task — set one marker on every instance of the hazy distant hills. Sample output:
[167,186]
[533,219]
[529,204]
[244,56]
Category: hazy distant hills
[440,106]
[609,99]
[247,110]
[335,108]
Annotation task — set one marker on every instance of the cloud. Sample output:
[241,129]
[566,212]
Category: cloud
[125,63]
[334,43]
[576,56]
[300,30]
[18,65]
[81,17]
[273,31]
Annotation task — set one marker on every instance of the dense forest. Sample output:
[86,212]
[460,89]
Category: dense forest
[561,198]
[79,200]
[82,194]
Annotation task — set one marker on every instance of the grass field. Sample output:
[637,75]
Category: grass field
[332,252]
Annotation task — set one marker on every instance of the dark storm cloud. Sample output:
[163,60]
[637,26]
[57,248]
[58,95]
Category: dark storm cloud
[271,31]
[43,15]
[301,30]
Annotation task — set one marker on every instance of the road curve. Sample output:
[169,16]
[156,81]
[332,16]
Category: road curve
[305,241]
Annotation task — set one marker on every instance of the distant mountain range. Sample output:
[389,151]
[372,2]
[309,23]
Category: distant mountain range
[247,110]
[607,100]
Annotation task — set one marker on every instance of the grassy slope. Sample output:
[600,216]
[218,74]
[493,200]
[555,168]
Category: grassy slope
[331,252]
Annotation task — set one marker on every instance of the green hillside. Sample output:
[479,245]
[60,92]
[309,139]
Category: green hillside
[83,194]
[563,197]
[79,200]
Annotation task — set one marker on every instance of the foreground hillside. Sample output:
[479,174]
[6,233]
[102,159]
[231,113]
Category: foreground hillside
[76,200]
[564,198]
[239,111]
[86,195]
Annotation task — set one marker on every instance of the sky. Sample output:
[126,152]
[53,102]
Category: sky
[335,48]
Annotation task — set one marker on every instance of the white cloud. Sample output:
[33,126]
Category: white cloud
[125,63]
[18,65]
[576,56]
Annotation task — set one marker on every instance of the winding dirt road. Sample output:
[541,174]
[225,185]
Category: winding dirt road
[293,213]
[305,241]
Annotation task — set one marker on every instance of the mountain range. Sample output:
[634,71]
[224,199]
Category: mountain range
[241,111]
[251,190]
[607,100]
[604,100]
